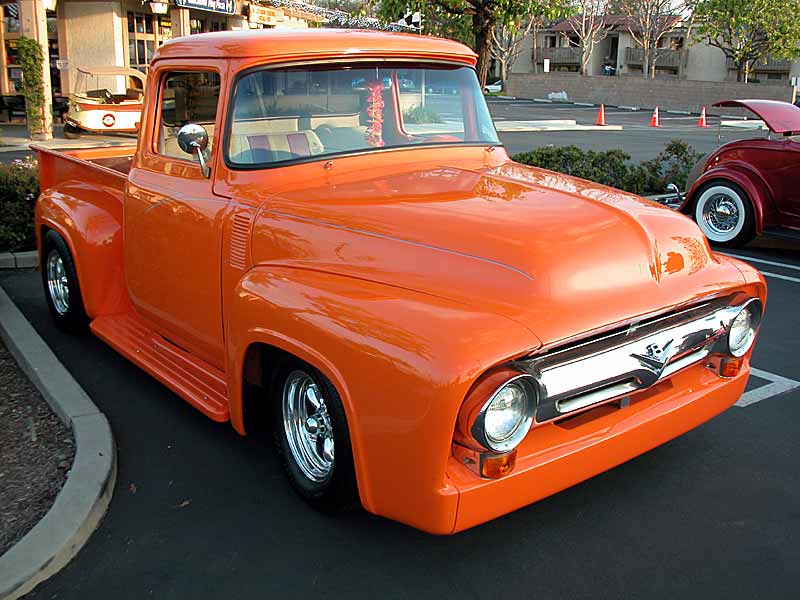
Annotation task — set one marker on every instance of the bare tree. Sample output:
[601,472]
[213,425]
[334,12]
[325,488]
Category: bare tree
[648,22]
[507,43]
[589,26]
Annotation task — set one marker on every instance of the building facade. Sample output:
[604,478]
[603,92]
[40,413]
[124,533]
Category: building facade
[619,54]
[90,33]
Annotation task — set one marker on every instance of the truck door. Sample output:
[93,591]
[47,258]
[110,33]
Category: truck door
[173,220]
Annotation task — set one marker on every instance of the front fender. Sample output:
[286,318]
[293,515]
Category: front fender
[743,175]
[93,231]
[402,362]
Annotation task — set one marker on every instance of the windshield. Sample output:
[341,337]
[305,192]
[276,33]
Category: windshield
[305,113]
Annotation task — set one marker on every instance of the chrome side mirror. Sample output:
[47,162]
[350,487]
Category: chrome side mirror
[193,139]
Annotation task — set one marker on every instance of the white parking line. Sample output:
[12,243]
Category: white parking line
[778,385]
[784,277]
[763,261]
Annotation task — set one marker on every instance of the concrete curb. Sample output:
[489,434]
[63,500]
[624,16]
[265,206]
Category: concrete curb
[19,260]
[87,492]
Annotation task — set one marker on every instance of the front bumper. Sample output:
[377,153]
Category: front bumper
[555,456]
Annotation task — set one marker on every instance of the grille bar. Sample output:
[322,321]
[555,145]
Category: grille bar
[589,373]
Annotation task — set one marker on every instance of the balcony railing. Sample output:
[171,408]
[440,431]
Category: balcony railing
[666,58]
[559,56]
[767,64]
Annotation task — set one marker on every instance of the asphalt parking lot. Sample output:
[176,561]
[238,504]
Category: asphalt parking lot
[637,138]
[199,512]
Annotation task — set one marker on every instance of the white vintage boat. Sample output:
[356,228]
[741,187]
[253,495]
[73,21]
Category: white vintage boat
[94,108]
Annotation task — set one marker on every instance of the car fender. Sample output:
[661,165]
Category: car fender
[402,362]
[743,175]
[93,232]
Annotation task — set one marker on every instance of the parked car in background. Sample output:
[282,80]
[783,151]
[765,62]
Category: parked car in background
[431,330]
[94,108]
[493,88]
[750,187]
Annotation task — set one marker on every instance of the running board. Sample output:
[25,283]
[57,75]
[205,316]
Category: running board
[200,384]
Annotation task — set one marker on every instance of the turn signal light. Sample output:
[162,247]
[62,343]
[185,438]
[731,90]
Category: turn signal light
[494,467]
[730,367]
[485,464]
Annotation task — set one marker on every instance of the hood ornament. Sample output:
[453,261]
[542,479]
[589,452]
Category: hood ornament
[655,356]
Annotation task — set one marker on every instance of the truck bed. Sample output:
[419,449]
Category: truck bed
[106,166]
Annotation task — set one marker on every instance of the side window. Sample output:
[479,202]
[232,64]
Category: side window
[190,97]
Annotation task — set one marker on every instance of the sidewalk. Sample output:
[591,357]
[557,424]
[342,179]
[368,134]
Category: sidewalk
[550,125]
[14,138]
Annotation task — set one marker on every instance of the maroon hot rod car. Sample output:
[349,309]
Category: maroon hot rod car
[750,187]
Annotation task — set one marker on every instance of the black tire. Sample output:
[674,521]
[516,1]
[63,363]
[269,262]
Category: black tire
[338,491]
[72,317]
[745,224]
[71,132]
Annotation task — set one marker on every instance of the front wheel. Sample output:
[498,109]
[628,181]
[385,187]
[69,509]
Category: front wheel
[725,214]
[313,439]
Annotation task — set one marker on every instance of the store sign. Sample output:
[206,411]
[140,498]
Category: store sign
[227,7]
[263,15]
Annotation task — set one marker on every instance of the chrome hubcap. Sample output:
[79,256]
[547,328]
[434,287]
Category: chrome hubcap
[308,426]
[721,214]
[57,284]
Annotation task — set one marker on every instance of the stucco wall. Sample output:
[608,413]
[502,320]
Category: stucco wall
[668,94]
[706,63]
[524,62]
[94,37]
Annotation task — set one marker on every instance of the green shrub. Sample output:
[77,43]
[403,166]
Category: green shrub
[421,114]
[613,167]
[19,188]
[31,59]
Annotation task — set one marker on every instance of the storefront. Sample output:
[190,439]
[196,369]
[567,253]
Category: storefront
[11,78]
[123,32]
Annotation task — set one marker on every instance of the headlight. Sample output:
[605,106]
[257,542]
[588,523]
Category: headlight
[505,419]
[743,329]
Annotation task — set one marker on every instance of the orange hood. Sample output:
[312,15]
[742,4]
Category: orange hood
[559,255]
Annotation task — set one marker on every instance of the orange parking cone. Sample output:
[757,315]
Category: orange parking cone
[656,120]
[601,116]
[702,121]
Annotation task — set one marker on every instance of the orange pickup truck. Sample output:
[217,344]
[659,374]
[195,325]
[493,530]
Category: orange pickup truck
[320,231]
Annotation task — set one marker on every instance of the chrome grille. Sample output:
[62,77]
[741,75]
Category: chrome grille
[617,364]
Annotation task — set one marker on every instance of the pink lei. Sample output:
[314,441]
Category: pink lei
[375,114]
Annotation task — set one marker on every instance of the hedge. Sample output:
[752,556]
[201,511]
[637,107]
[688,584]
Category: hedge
[613,167]
[19,188]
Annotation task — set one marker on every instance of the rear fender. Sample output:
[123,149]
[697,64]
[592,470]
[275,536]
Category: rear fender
[743,175]
[401,361]
[92,230]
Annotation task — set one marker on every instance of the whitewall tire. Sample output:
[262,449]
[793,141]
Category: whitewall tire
[724,214]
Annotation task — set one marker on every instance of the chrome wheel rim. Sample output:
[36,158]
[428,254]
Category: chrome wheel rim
[57,284]
[308,428]
[721,214]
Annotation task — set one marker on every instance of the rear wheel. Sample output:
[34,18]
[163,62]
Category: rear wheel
[313,439]
[61,288]
[71,132]
[724,213]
